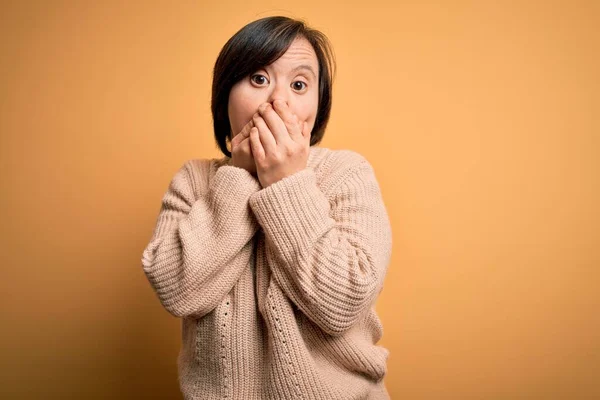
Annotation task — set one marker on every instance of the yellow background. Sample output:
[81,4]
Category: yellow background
[480,118]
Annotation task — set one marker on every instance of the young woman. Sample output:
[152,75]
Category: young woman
[274,255]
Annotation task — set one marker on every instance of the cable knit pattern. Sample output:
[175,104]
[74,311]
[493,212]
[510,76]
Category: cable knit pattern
[275,287]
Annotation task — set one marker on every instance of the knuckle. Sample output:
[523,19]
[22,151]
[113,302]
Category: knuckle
[290,126]
[290,151]
[278,157]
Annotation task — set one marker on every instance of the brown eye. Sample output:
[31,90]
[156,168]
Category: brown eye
[258,79]
[298,85]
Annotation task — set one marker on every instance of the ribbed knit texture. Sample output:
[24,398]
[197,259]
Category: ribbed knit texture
[275,287]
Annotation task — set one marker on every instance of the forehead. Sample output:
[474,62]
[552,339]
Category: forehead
[299,52]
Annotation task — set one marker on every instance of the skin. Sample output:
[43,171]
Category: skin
[273,111]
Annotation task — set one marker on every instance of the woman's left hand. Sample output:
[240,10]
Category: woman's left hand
[280,142]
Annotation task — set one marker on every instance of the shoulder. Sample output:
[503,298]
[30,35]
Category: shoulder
[195,173]
[194,167]
[198,164]
[336,166]
[345,159]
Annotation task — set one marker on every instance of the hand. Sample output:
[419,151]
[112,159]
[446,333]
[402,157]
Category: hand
[241,152]
[280,142]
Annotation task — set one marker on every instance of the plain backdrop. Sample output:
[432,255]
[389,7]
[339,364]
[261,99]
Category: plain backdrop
[481,119]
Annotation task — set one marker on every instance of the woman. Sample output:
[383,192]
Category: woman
[275,254]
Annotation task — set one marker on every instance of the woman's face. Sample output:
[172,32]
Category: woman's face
[293,77]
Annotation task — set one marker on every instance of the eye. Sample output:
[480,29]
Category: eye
[259,79]
[297,85]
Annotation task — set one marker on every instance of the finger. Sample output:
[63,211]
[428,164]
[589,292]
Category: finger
[238,139]
[246,141]
[244,133]
[255,145]
[289,119]
[266,136]
[276,125]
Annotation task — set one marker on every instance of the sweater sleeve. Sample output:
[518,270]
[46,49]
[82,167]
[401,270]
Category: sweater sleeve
[329,254]
[201,243]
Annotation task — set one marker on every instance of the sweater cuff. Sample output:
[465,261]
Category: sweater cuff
[293,212]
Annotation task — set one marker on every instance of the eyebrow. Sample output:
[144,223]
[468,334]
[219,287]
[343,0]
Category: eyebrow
[306,67]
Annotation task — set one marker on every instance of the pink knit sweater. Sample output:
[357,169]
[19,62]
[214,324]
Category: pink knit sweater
[275,287]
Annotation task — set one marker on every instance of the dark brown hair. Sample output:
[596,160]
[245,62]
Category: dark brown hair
[257,45]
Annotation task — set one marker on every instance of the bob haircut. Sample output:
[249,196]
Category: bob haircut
[257,45]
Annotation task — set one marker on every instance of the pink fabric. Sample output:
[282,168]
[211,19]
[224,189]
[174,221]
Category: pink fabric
[275,287]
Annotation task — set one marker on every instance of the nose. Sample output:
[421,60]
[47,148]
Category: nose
[279,92]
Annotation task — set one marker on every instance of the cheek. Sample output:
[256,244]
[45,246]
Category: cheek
[240,110]
[307,112]
[308,108]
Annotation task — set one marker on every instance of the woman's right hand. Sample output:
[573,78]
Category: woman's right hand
[241,152]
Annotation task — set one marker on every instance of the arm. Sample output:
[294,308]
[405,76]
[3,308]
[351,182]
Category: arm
[328,254]
[200,246]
